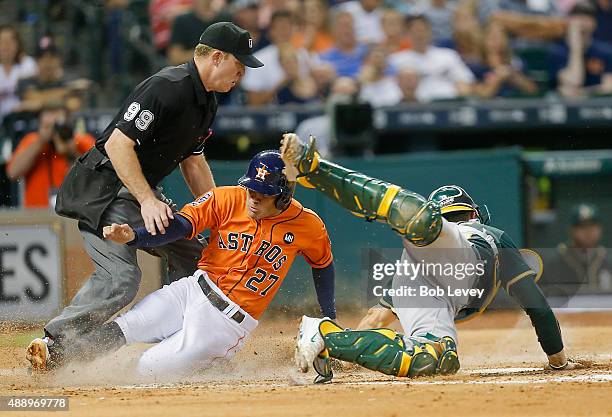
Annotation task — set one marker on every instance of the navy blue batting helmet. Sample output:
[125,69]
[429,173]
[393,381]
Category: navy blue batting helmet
[265,176]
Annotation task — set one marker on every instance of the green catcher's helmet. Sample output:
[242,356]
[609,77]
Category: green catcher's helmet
[452,198]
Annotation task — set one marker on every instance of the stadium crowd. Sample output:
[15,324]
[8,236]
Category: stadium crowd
[381,52]
[397,51]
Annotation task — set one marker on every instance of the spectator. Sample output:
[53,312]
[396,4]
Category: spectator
[343,90]
[440,15]
[532,20]
[348,54]
[408,81]
[268,8]
[394,27]
[245,13]
[49,85]
[467,40]
[188,27]
[162,14]
[603,14]
[315,35]
[377,86]
[503,73]
[298,87]
[584,65]
[367,16]
[581,264]
[14,66]
[443,75]
[43,158]
[262,86]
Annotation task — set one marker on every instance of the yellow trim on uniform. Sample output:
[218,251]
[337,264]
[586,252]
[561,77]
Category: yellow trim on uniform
[380,349]
[413,219]
[405,363]
[315,162]
[518,278]
[388,333]
[540,270]
[357,202]
[385,204]
[304,182]
[328,326]
[456,207]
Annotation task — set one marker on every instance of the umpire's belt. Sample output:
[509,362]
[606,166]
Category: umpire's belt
[217,301]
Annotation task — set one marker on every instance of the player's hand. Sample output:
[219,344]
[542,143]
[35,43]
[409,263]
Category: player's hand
[155,214]
[120,233]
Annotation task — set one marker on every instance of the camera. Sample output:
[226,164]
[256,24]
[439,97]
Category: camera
[65,131]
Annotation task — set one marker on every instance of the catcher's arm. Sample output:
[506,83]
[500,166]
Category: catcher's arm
[533,302]
[376,317]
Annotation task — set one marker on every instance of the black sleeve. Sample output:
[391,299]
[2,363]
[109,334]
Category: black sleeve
[531,299]
[324,281]
[150,105]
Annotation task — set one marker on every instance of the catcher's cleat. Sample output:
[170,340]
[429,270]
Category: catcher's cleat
[37,354]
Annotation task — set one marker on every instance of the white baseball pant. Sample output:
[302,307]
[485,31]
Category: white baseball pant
[191,334]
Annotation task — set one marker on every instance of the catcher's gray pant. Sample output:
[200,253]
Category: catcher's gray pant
[116,278]
[435,314]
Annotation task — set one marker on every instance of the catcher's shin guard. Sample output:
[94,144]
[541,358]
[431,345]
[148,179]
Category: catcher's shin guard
[448,360]
[444,350]
[409,214]
[380,350]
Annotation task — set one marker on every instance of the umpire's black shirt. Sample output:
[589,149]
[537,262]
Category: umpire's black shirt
[169,116]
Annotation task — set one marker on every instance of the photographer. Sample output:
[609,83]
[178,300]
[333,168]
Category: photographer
[43,158]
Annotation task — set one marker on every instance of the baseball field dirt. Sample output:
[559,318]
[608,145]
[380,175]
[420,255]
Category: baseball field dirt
[501,375]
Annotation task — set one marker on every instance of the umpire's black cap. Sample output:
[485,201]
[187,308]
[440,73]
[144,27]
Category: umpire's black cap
[227,37]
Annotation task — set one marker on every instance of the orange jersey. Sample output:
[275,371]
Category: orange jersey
[248,259]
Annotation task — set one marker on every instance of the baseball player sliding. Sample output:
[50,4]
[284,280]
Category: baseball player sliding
[256,231]
[448,228]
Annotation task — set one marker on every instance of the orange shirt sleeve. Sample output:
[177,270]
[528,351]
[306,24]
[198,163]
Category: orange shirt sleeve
[24,143]
[202,212]
[84,142]
[318,251]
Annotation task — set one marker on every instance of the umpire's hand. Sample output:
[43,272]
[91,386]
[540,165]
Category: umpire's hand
[120,233]
[155,213]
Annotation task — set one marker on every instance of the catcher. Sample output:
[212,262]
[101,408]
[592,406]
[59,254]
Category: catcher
[448,227]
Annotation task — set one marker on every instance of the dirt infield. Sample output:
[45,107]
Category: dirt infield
[501,375]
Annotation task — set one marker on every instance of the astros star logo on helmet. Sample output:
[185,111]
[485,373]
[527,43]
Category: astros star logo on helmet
[261,172]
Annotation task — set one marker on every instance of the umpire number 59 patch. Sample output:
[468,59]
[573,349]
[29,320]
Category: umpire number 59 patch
[144,118]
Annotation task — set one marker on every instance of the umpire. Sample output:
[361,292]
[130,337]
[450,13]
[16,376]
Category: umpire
[164,123]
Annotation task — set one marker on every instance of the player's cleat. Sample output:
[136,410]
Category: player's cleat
[38,355]
[309,343]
